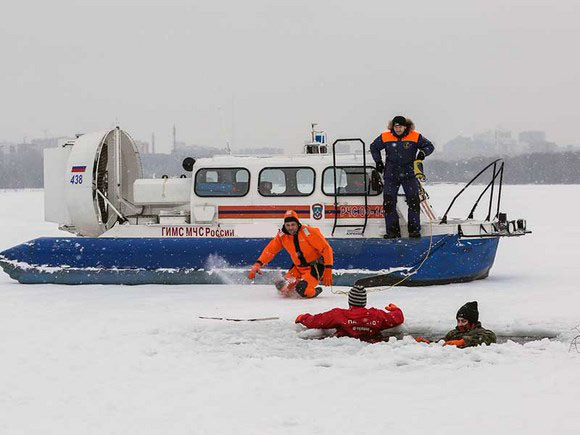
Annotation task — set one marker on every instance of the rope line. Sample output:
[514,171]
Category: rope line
[427,210]
[379,289]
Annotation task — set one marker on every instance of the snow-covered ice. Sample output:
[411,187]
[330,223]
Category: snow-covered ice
[114,359]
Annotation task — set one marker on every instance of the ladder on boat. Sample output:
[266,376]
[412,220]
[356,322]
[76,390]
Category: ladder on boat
[336,188]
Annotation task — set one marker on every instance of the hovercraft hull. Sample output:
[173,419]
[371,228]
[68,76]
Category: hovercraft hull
[442,260]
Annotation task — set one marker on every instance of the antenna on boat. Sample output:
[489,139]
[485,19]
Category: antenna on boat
[317,144]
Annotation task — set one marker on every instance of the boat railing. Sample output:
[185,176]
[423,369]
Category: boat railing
[497,175]
[366,185]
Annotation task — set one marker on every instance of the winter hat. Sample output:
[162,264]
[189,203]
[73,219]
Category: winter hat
[469,312]
[401,120]
[291,216]
[357,296]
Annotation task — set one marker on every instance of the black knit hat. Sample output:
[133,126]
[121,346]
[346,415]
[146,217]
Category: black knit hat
[469,312]
[401,120]
[357,297]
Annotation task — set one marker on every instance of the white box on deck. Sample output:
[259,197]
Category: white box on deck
[162,191]
[55,175]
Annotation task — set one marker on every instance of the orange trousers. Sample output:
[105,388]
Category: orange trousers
[304,280]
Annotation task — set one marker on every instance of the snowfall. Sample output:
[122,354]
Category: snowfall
[139,359]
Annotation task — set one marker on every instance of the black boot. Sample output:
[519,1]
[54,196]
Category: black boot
[281,284]
[393,231]
[415,234]
[392,236]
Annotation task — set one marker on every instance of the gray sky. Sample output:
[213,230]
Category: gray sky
[453,66]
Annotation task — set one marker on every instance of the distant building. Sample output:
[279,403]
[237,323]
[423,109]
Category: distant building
[7,148]
[49,142]
[460,148]
[535,142]
[21,163]
[497,143]
[196,151]
[179,147]
[35,145]
[571,148]
[489,143]
[542,147]
[264,151]
[532,136]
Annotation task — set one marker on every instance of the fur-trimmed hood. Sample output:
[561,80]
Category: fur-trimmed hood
[410,124]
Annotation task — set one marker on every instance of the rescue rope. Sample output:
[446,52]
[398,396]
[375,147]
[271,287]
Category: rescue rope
[379,289]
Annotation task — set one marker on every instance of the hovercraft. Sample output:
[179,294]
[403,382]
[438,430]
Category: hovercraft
[210,227]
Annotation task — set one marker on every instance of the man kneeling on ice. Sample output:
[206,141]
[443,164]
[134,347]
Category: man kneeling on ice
[468,331]
[310,253]
[359,322]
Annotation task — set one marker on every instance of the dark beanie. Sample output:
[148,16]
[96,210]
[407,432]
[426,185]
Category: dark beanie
[357,297]
[401,120]
[469,312]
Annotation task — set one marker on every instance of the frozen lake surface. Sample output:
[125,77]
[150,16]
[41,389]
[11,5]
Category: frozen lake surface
[135,360]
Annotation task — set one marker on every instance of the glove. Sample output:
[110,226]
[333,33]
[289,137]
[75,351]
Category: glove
[459,343]
[421,155]
[392,307]
[255,269]
[327,276]
[418,170]
[300,318]
[380,167]
[422,340]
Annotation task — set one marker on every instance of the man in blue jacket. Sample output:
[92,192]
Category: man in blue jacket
[402,145]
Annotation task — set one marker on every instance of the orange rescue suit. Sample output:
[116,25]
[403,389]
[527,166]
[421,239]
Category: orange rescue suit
[311,244]
[307,248]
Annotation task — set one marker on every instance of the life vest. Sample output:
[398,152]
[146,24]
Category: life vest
[308,246]
[412,136]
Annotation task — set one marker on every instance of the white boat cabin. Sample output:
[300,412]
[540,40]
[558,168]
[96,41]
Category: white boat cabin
[94,187]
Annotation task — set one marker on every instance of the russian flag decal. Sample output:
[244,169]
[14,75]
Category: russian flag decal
[78,169]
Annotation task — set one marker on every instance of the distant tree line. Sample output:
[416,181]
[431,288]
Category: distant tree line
[536,168]
[265,151]
[25,168]
[157,165]
[20,170]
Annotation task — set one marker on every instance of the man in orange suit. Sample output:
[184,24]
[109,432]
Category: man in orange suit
[310,253]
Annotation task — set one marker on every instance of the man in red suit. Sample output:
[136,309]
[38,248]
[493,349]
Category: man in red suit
[357,321]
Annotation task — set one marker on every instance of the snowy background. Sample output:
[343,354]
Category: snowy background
[135,360]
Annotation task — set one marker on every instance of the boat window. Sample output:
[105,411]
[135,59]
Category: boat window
[222,182]
[350,181]
[286,181]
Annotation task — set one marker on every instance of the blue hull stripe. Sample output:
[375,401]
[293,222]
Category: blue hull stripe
[190,260]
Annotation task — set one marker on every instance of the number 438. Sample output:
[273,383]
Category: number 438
[76,179]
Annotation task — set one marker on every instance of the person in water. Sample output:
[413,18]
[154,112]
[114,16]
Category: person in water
[468,331]
[357,321]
